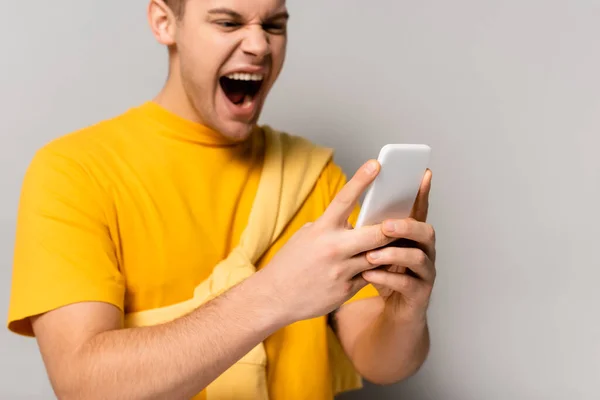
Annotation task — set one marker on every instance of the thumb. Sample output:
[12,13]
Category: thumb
[421,206]
[340,209]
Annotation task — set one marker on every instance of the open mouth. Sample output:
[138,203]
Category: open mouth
[241,88]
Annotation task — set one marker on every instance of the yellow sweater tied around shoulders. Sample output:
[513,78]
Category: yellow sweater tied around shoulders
[291,168]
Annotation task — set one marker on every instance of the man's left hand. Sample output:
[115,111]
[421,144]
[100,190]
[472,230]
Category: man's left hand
[406,279]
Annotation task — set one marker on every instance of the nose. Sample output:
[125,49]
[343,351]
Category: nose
[256,42]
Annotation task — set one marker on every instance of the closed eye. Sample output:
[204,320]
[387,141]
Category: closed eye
[275,28]
[228,24]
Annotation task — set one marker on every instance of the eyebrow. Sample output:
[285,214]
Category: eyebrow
[225,11]
[234,14]
[280,15]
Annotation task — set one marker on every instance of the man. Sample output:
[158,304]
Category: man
[154,260]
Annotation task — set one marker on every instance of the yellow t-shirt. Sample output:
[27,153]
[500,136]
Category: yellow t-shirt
[135,211]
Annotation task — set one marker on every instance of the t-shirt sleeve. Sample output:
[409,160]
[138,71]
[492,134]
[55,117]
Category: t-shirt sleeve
[63,250]
[338,179]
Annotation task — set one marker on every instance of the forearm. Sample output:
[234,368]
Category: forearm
[174,360]
[389,350]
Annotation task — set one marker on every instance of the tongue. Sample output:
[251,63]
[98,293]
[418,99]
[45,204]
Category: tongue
[236,98]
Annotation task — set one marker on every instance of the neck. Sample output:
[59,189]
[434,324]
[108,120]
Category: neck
[173,98]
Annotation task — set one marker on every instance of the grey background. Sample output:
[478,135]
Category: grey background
[507,93]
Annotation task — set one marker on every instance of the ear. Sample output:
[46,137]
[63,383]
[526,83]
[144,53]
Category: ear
[163,22]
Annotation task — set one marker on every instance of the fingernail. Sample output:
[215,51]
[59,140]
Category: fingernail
[368,274]
[390,226]
[375,255]
[371,167]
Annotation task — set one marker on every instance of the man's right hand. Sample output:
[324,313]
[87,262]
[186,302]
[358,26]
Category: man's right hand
[320,267]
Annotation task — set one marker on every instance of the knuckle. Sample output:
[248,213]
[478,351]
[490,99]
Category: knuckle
[405,227]
[407,284]
[431,235]
[330,251]
[336,272]
[312,228]
[395,256]
[320,225]
[347,288]
[427,291]
[380,238]
[420,258]
[346,196]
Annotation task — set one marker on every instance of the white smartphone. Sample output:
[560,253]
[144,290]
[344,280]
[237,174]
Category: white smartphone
[394,191]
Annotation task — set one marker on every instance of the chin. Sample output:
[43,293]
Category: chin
[237,131]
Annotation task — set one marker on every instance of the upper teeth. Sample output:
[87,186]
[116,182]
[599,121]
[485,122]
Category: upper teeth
[240,76]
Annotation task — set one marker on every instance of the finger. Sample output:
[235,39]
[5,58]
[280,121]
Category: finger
[365,238]
[401,283]
[414,259]
[419,232]
[421,206]
[358,264]
[344,202]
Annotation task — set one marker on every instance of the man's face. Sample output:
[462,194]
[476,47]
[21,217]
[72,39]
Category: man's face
[230,54]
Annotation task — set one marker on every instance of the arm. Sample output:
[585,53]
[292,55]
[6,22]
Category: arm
[68,290]
[89,356]
[384,349]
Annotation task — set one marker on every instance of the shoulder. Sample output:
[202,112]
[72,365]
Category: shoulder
[68,164]
[89,140]
[88,147]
